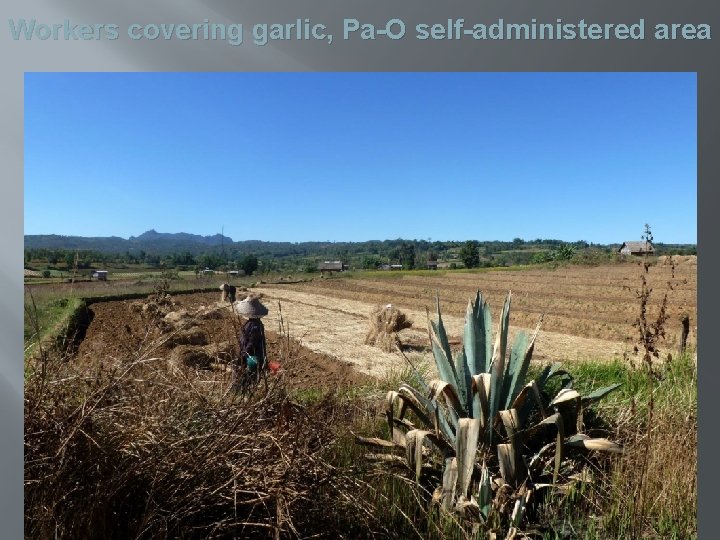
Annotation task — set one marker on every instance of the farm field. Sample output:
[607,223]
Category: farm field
[316,329]
[588,312]
[197,325]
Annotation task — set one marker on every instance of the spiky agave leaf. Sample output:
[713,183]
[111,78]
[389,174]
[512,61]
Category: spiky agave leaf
[416,402]
[518,513]
[519,366]
[497,370]
[439,387]
[441,349]
[471,337]
[488,336]
[522,401]
[598,394]
[477,336]
[505,324]
[485,493]
[514,369]
[509,467]
[464,380]
[481,398]
[432,415]
[549,372]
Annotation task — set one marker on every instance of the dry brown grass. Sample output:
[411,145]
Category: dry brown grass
[384,324]
[151,450]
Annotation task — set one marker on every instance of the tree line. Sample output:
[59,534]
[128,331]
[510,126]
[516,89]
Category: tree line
[285,256]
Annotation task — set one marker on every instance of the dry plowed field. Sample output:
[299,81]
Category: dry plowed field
[588,314]
[588,311]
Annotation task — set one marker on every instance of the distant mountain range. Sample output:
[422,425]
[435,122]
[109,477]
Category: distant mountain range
[150,241]
[156,243]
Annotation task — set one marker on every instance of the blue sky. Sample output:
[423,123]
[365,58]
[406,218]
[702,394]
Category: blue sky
[360,156]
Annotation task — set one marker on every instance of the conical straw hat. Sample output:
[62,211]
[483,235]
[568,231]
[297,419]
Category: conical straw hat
[251,308]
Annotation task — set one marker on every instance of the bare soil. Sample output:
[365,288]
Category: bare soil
[120,331]
[317,329]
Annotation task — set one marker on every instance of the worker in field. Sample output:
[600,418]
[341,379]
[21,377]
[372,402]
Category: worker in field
[252,361]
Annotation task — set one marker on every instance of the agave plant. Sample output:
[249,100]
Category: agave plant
[481,429]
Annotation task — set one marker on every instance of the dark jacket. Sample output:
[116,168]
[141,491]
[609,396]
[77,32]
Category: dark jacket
[252,341]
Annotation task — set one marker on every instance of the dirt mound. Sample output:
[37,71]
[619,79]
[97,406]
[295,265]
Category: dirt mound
[188,336]
[191,356]
[207,333]
[223,352]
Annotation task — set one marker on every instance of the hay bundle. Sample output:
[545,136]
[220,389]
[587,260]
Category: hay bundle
[384,324]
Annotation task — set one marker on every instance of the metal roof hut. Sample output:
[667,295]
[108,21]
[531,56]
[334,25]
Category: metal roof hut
[636,248]
[331,266]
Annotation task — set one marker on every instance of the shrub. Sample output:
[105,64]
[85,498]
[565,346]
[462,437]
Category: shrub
[481,439]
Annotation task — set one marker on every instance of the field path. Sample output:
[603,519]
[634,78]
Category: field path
[338,327]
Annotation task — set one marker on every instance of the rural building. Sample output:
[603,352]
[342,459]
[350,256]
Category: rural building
[100,275]
[396,267]
[208,272]
[432,265]
[235,273]
[636,248]
[331,266]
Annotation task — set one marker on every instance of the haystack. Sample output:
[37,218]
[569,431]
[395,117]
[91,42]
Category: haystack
[190,356]
[384,324]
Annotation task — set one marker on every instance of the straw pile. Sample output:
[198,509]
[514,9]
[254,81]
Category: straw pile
[384,324]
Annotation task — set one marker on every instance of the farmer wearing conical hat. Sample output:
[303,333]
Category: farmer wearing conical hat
[253,359]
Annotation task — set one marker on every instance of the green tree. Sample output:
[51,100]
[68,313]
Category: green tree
[470,254]
[249,263]
[311,266]
[541,257]
[371,262]
[69,259]
[564,253]
[407,255]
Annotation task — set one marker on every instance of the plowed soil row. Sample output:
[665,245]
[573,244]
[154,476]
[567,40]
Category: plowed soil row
[589,314]
[598,302]
[118,333]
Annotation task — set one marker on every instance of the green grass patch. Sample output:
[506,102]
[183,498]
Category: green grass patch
[47,318]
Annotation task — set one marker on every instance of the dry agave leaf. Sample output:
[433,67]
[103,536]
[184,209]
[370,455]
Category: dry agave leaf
[414,449]
[466,448]
[600,444]
[565,395]
[450,476]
